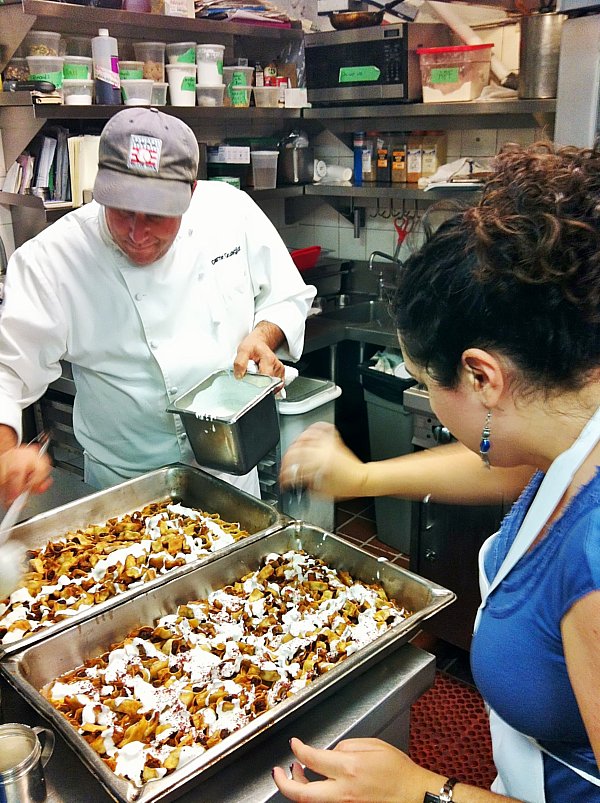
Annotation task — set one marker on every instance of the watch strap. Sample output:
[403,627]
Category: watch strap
[445,794]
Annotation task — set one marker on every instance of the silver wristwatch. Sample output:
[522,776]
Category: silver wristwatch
[445,794]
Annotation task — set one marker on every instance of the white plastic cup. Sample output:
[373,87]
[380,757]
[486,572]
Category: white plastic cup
[209,61]
[338,173]
[182,84]
[136,91]
[264,169]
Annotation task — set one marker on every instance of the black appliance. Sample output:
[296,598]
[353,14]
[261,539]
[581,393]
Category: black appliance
[445,539]
[369,65]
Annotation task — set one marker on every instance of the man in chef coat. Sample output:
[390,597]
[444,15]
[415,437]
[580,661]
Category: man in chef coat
[145,291]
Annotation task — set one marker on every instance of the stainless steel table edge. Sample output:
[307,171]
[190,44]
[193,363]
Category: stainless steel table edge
[376,703]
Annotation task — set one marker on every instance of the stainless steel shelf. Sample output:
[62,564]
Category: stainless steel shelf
[87,19]
[191,114]
[459,109]
[386,191]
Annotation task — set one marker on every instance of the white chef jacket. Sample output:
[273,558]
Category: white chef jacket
[138,337]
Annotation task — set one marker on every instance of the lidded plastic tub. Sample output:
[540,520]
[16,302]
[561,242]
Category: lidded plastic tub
[209,59]
[77,67]
[454,73]
[42,43]
[153,56]
[181,51]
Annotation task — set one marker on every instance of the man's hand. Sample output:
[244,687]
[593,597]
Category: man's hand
[260,346]
[22,468]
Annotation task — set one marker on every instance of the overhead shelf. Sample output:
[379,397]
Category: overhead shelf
[386,191]
[87,19]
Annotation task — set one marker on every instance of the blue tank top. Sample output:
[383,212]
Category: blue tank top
[517,654]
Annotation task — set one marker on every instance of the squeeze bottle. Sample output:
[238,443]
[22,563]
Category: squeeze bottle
[106,68]
[359,144]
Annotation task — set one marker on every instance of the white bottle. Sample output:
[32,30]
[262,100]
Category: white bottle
[105,56]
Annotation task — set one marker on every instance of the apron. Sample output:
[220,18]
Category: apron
[518,758]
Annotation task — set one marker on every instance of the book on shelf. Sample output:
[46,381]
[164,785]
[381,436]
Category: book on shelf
[12,180]
[44,173]
[83,164]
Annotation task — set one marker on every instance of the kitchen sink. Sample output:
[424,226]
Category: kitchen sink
[373,313]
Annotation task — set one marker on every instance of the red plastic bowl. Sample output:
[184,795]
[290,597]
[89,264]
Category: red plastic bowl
[306,258]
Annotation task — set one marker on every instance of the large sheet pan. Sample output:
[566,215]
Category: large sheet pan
[29,670]
[191,486]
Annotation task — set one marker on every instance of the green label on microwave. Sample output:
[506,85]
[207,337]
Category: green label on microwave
[444,75]
[351,74]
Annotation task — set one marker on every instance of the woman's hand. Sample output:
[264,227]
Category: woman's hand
[22,468]
[361,770]
[320,460]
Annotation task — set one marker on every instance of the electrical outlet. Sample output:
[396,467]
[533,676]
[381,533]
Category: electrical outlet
[478,142]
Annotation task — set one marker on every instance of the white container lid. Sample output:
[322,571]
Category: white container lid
[309,394]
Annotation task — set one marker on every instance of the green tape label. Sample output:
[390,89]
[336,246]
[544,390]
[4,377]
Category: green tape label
[444,75]
[54,77]
[188,56]
[189,84]
[351,74]
[77,71]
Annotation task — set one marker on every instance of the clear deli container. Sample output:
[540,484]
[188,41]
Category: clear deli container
[264,169]
[78,91]
[159,93]
[77,67]
[42,43]
[266,96]
[209,59]
[153,56]
[78,46]
[136,91]
[46,68]
[454,73]
[181,51]
[182,84]
[16,70]
[131,70]
[238,82]
[210,95]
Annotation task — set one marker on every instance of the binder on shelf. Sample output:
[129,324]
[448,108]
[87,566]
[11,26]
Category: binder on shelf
[12,180]
[83,164]
[44,173]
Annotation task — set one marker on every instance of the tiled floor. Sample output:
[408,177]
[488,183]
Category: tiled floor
[355,520]
[449,728]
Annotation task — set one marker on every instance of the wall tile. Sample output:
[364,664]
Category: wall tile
[380,240]
[454,145]
[478,142]
[521,136]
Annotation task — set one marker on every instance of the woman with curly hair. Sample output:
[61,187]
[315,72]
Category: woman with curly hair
[498,315]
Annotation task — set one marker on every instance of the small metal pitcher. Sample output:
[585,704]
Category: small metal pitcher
[539,54]
[22,762]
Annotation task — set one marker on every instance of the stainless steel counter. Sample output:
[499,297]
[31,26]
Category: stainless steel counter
[376,704]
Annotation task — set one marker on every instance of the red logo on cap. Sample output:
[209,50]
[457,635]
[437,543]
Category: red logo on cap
[144,152]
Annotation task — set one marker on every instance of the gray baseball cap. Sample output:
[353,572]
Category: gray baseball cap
[148,162]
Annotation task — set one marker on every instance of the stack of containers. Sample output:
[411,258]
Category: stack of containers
[209,66]
[42,50]
[238,82]
[181,73]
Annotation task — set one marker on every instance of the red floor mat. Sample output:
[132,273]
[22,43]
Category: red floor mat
[449,732]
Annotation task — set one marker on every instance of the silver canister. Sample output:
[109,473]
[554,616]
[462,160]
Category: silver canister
[539,53]
[22,762]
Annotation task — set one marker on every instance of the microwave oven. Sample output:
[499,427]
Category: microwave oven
[369,65]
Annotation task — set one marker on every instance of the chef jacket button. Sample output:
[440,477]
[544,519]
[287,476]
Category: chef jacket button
[153,344]
[139,296]
[173,391]
[183,436]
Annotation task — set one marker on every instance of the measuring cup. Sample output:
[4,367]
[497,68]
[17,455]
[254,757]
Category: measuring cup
[22,762]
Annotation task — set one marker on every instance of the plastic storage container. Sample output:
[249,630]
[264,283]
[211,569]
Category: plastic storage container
[159,93]
[181,51]
[131,69]
[210,95]
[78,46]
[264,169]
[77,67]
[17,69]
[42,43]
[307,401]
[136,91]
[153,56]
[46,68]
[182,84]
[454,73]
[209,61]
[390,435]
[266,96]
[78,91]
[238,81]
[105,56]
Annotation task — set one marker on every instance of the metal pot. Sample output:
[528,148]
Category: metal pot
[539,54]
[296,165]
[345,20]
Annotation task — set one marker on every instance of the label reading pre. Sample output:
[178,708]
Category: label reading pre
[444,75]
[351,74]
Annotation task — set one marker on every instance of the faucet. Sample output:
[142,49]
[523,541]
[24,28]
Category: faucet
[382,285]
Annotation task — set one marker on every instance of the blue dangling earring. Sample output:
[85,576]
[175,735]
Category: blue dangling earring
[485,445]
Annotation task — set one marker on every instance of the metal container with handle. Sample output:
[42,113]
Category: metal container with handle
[539,54]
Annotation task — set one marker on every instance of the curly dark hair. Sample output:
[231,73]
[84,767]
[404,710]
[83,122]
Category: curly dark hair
[517,273]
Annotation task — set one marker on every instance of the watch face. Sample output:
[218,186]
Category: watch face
[431,798]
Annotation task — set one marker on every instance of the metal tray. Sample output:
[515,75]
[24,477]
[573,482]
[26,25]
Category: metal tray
[191,486]
[29,670]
